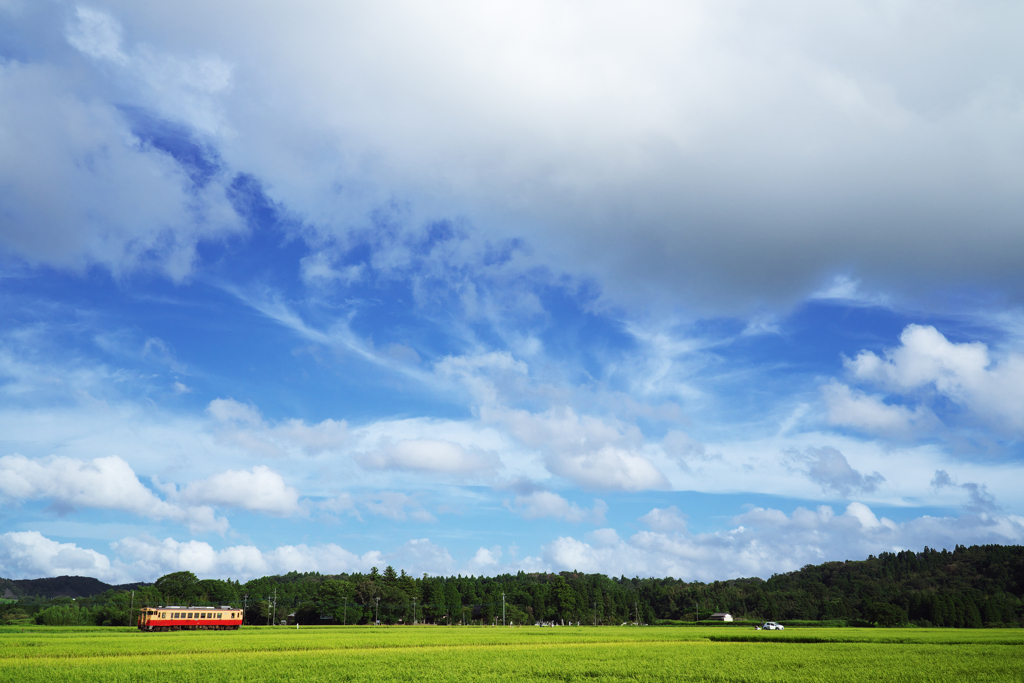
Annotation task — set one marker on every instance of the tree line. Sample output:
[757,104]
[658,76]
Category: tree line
[966,587]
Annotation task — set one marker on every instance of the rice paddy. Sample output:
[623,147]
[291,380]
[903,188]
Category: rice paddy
[510,654]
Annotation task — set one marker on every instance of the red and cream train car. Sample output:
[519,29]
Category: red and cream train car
[174,618]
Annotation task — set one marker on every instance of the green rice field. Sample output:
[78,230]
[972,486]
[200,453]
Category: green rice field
[434,654]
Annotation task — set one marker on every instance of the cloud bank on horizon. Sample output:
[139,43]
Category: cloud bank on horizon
[698,289]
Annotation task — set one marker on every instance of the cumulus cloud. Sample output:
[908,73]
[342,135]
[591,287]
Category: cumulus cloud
[102,483]
[665,519]
[766,541]
[831,470]
[153,558]
[852,408]
[964,373]
[429,455]
[30,555]
[259,490]
[593,452]
[485,562]
[548,504]
[608,468]
[230,410]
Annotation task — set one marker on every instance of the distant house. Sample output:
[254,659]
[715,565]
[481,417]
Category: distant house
[721,616]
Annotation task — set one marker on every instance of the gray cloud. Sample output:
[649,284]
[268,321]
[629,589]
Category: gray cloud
[941,479]
[830,469]
[979,500]
[681,151]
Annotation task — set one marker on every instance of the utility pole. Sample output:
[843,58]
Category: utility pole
[345,618]
[378,613]
[595,612]
[502,609]
[636,606]
[131,608]
[414,611]
[245,606]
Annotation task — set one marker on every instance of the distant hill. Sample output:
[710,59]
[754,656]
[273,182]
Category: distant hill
[60,587]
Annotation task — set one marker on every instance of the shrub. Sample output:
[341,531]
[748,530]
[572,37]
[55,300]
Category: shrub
[61,615]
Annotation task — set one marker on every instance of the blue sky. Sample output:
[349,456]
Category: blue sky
[696,289]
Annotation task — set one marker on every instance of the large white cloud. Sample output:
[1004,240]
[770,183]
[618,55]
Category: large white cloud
[154,558]
[30,555]
[964,373]
[590,451]
[852,408]
[260,490]
[429,455]
[103,483]
[748,152]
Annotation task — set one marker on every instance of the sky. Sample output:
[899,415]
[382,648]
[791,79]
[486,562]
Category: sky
[701,289]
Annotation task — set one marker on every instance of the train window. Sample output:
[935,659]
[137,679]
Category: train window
[219,615]
[190,615]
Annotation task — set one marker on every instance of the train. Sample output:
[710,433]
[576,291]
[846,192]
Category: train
[178,618]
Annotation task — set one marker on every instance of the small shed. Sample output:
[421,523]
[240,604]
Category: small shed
[721,616]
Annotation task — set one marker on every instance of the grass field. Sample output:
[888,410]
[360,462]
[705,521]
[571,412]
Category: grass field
[505,654]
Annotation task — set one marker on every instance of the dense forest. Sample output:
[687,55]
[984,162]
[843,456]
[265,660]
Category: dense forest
[967,587]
